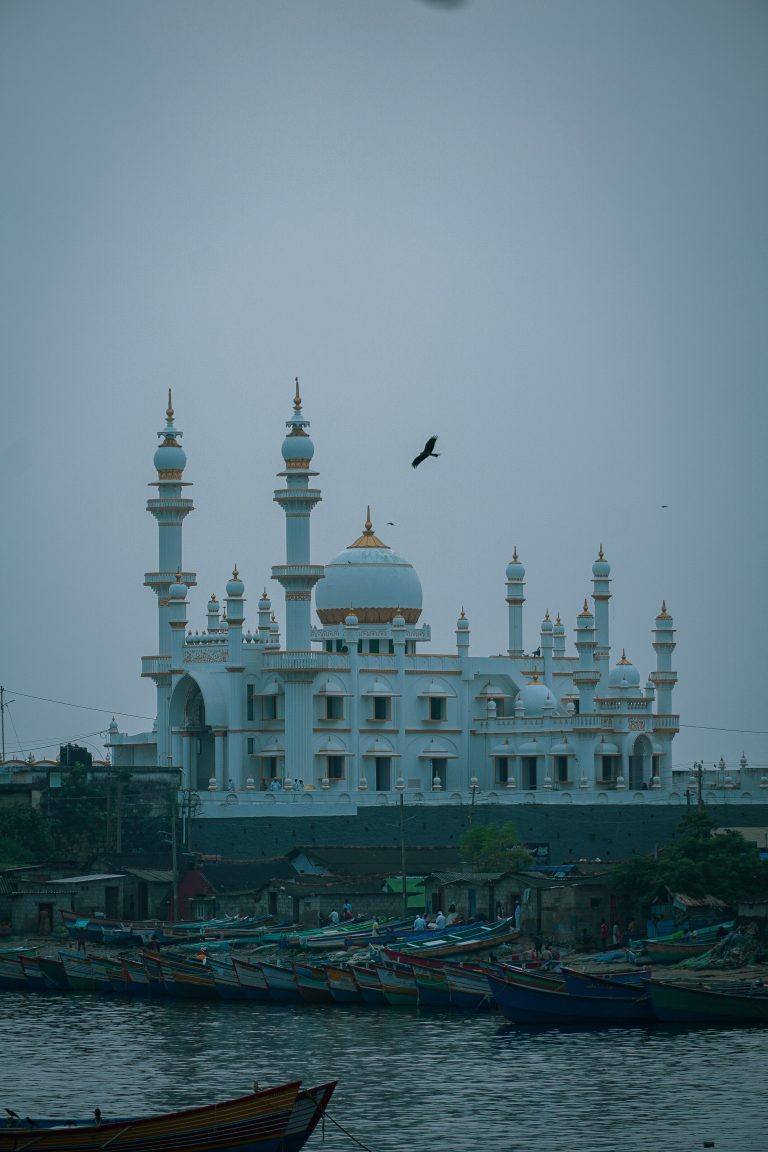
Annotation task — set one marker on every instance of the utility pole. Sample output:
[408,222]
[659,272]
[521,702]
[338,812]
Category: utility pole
[402,856]
[3,705]
[174,859]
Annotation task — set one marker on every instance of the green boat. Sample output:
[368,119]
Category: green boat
[698,1004]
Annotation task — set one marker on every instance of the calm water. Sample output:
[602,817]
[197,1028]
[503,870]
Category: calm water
[406,1080]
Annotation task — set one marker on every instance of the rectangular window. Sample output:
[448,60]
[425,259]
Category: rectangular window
[249,701]
[561,769]
[382,708]
[529,773]
[334,708]
[335,768]
[383,773]
[502,769]
[608,769]
[373,646]
[250,745]
[269,707]
[436,707]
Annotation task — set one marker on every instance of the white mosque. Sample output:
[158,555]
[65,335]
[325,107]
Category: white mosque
[355,710]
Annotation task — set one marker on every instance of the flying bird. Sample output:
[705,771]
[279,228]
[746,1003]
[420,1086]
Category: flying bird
[665,505]
[391,523]
[430,444]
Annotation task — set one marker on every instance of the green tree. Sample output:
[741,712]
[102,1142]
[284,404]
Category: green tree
[25,838]
[700,861]
[494,848]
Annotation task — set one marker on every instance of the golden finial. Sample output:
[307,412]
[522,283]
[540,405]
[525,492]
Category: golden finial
[235,573]
[274,618]
[178,577]
[600,555]
[169,409]
[368,524]
[369,539]
[536,676]
[463,617]
[514,554]
[624,658]
[213,598]
[558,621]
[546,614]
[586,606]
[297,397]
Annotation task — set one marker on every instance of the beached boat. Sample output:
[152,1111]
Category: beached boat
[279,1119]
[252,980]
[673,951]
[699,1004]
[525,1004]
[342,986]
[457,942]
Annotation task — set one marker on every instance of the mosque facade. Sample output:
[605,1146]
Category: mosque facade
[354,710]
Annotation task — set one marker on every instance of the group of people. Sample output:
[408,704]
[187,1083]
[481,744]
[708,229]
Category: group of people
[346,913]
[423,923]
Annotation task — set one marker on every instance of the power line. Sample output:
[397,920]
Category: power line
[85,707]
[739,731]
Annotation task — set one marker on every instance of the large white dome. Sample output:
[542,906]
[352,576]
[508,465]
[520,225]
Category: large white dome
[371,580]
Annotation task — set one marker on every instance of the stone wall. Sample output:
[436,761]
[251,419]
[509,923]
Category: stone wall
[573,833]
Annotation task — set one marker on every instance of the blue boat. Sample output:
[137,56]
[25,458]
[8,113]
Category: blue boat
[525,1004]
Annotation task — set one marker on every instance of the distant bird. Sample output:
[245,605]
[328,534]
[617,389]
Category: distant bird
[391,523]
[537,652]
[665,505]
[430,444]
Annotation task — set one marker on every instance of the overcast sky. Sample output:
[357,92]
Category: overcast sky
[537,229]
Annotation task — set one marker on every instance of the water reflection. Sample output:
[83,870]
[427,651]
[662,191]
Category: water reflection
[420,1080]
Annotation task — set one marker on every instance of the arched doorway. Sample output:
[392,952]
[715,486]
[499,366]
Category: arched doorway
[640,764]
[188,718]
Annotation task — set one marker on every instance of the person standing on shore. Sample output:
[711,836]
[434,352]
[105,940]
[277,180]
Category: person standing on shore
[604,934]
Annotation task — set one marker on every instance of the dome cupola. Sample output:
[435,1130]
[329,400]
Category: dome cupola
[170,458]
[370,580]
[298,448]
[624,675]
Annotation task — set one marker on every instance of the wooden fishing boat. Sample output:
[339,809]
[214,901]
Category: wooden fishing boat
[53,972]
[469,988]
[81,977]
[279,1119]
[699,1004]
[468,938]
[12,974]
[398,984]
[312,983]
[367,980]
[524,1004]
[342,986]
[252,979]
[625,985]
[281,982]
[673,951]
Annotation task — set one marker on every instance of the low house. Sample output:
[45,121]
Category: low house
[671,910]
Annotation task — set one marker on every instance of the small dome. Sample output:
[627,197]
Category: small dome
[177,590]
[297,446]
[350,620]
[546,624]
[462,624]
[624,674]
[212,607]
[536,698]
[559,628]
[601,569]
[398,620]
[170,458]
[298,449]
[235,586]
[265,604]
[515,570]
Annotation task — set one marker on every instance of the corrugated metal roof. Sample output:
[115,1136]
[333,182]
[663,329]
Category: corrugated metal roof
[90,878]
[151,875]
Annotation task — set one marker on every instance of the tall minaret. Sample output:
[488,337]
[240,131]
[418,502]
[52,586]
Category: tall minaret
[169,509]
[601,594]
[585,675]
[664,679]
[297,576]
[515,600]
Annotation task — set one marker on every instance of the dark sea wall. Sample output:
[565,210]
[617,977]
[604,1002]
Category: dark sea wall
[571,833]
